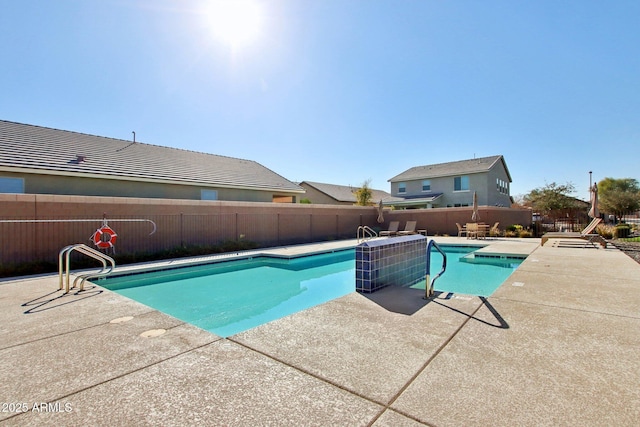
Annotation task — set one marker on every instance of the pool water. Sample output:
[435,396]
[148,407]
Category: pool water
[234,296]
[230,297]
[472,276]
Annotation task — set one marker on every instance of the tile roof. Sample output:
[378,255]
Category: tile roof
[344,193]
[71,153]
[461,167]
[413,200]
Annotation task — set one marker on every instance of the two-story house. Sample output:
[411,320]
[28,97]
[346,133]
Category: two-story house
[453,184]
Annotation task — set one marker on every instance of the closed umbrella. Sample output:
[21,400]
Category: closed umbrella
[475,216]
[594,212]
[380,213]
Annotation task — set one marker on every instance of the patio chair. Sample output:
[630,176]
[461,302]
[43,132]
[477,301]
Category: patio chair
[462,230]
[409,228]
[472,230]
[393,229]
[494,231]
[585,234]
[482,230]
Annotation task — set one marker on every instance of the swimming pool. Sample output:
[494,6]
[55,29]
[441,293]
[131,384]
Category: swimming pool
[470,275]
[232,296]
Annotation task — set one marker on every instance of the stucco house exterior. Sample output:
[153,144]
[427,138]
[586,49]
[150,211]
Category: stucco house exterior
[40,160]
[453,184]
[333,194]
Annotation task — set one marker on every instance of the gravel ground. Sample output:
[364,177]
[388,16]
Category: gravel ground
[630,248]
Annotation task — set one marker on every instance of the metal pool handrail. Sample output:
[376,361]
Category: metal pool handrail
[429,286]
[367,233]
[64,267]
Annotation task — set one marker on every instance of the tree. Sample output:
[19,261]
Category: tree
[618,196]
[364,194]
[552,199]
[519,201]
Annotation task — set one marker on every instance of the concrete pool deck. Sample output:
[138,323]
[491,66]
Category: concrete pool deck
[556,344]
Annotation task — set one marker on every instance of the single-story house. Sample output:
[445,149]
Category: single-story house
[453,184]
[332,194]
[40,160]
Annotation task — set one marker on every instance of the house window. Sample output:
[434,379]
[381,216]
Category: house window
[426,185]
[208,194]
[503,186]
[461,183]
[11,185]
[402,187]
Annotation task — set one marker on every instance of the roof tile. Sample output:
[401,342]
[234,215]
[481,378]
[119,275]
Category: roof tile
[481,164]
[35,147]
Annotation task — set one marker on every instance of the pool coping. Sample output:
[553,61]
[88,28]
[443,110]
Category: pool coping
[499,247]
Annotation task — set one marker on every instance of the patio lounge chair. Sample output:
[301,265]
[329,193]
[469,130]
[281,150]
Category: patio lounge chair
[409,228]
[585,234]
[393,229]
[462,230]
[494,231]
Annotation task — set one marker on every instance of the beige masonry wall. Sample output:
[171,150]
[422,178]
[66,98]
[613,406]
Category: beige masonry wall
[193,222]
[178,222]
[118,187]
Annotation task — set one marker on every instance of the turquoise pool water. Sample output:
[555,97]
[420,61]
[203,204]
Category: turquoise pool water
[233,296]
[472,276]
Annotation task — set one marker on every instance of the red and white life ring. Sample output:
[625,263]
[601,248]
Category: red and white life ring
[97,237]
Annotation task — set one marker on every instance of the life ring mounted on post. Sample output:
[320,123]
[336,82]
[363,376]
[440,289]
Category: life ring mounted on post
[107,231]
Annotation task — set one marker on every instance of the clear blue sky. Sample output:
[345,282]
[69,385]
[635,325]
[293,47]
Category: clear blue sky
[340,91]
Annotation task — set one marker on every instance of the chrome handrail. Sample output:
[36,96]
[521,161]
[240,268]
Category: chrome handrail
[64,269]
[367,233]
[429,286]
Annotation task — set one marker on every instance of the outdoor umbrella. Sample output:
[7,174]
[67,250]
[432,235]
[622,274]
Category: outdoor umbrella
[593,212]
[475,216]
[380,211]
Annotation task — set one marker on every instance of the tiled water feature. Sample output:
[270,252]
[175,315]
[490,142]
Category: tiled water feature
[400,261]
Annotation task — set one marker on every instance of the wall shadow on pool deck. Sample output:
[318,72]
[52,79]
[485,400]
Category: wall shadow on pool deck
[399,299]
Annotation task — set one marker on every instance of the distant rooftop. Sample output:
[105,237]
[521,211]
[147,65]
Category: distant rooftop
[41,150]
[345,193]
[461,167]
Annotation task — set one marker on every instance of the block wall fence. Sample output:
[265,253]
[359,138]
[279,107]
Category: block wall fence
[193,222]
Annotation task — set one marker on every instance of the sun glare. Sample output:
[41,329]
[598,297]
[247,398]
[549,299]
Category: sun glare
[236,22]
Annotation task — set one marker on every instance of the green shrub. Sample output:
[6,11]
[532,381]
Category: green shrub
[27,268]
[622,230]
[494,233]
[525,233]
